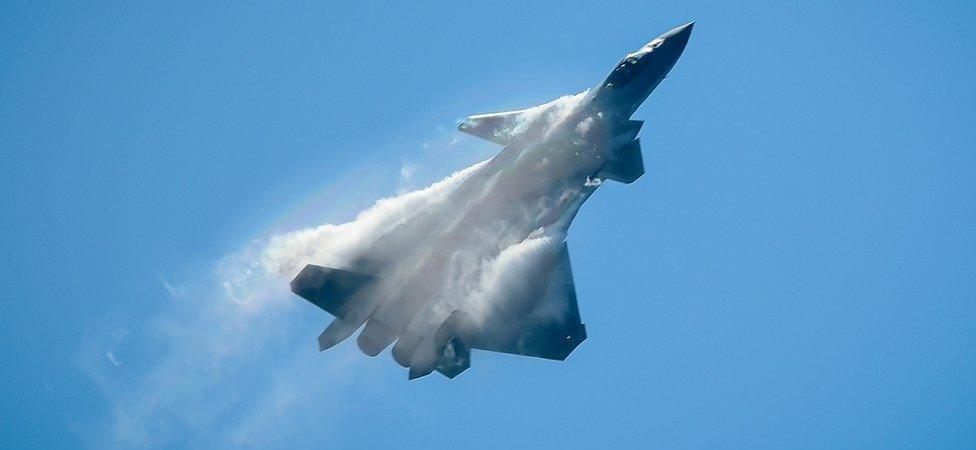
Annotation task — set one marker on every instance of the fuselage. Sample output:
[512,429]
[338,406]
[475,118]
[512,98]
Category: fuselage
[536,184]
[533,187]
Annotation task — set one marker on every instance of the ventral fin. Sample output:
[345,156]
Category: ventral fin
[626,164]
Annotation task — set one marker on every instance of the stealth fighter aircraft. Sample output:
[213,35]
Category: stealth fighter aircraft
[425,287]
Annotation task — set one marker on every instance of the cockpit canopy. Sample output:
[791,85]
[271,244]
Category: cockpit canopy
[627,70]
[624,73]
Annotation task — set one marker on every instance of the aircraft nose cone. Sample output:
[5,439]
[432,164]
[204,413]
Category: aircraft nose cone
[681,33]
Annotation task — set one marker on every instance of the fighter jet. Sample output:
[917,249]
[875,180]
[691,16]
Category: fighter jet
[427,286]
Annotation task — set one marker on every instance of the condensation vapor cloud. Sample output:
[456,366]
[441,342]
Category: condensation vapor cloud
[450,248]
[487,260]
[232,361]
[333,245]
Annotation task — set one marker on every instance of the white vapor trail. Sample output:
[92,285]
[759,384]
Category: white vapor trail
[335,245]
[228,365]
[232,361]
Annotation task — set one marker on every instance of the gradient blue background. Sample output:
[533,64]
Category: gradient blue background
[796,269]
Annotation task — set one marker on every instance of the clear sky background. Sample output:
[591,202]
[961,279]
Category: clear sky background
[795,270]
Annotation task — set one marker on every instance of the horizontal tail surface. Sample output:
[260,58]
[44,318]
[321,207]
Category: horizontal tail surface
[329,289]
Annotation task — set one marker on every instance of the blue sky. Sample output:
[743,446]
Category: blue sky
[795,269]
